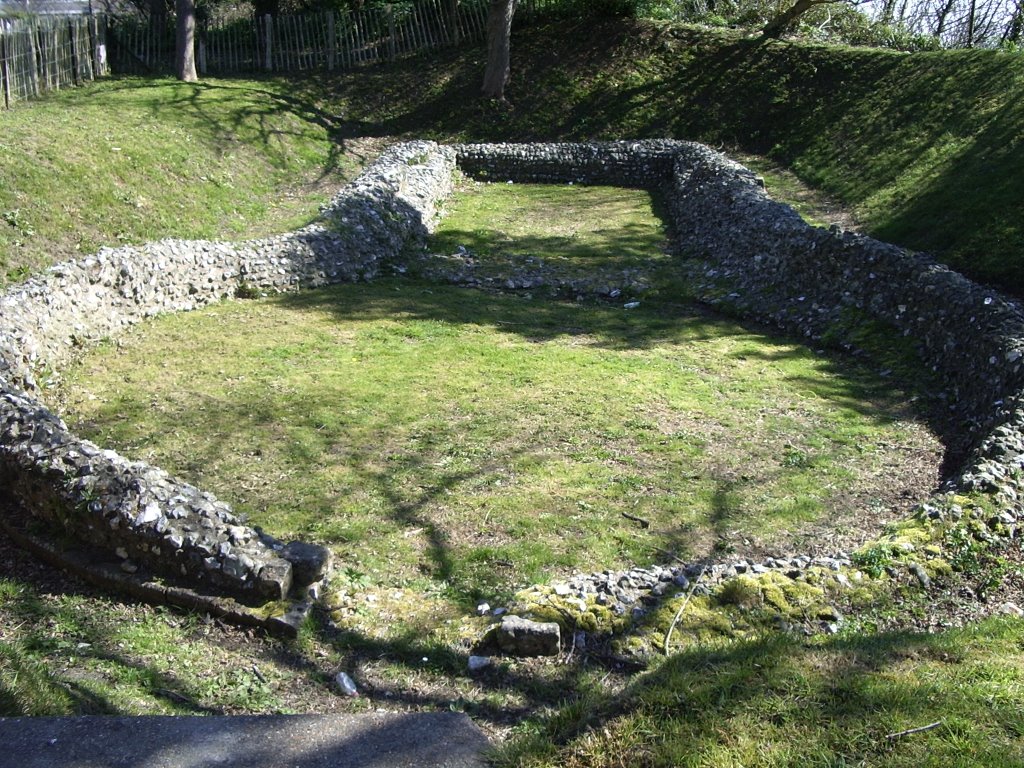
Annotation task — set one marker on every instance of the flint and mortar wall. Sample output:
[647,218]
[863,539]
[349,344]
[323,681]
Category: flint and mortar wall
[137,509]
[755,255]
[643,164]
[759,258]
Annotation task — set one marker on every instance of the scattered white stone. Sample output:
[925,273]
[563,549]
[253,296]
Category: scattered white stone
[346,684]
[477,663]
[1011,609]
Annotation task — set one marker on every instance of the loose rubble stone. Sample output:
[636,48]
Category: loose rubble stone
[310,562]
[522,637]
[920,574]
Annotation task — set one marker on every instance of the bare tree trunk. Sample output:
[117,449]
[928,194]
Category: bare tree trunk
[970,23]
[888,11]
[942,17]
[452,11]
[499,33]
[1015,26]
[777,26]
[185,56]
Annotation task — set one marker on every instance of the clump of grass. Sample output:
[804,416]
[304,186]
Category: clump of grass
[27,687]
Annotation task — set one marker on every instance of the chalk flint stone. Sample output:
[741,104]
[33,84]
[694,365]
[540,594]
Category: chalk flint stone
[517,636]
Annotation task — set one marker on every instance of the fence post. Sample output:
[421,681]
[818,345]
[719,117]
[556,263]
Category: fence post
[268,36]
[452,6]
[74,52]
[330,40]
[388,10]
[99,48]
[5,72]
[33,71]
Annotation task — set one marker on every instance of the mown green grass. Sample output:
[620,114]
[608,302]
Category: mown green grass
[781,702]
[608,228]
[436,435]
[130,160]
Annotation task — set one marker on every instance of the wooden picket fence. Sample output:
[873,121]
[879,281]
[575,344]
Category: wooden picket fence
[42,54]
[288,43]
[46,54]
[237,43]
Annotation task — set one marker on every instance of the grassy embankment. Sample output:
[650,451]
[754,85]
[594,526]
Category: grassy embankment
[125,161]
[924,148]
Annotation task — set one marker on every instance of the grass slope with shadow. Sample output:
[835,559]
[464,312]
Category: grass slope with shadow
[925,148]
[130,160]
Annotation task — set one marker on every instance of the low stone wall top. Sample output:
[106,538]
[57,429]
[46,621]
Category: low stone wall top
[621,163]
[133,508]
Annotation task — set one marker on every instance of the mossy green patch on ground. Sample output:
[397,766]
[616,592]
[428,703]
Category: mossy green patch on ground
[783,702]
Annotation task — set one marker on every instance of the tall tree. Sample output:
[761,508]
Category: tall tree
[499,34]
[185,56]
[784,21]
[158,17]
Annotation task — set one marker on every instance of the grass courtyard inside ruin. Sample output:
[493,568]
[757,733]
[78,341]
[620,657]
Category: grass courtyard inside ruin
[456,445]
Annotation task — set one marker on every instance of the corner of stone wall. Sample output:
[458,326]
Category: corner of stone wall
[147,518]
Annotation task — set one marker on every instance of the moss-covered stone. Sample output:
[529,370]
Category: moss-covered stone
[938,568]
[742,591]
[571,613]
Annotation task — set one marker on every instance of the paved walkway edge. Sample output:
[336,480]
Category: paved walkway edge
[366,740]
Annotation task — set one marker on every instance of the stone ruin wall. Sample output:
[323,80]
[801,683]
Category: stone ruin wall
[133,508]
[747,253]
[753,256]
